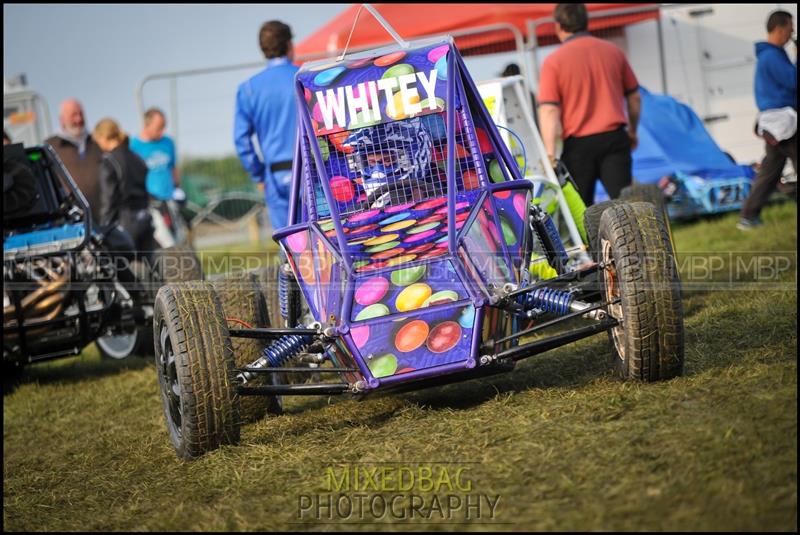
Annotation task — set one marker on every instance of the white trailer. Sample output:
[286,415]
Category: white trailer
[26,116]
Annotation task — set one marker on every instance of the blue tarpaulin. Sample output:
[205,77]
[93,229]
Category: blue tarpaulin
[672,139]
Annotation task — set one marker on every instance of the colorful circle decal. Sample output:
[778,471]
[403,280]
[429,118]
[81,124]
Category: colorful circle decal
[441,67]
[419,249]
[306,266]
[412,297]
[399,110]
[467,318]
[519,205]
[371,291]
[438,52]
[431,219]
[380,240]
[410,275]
[395,218]
[423,228]
[422,237]
[404,259]
[470,180]
[298,241]
[430,204]
[364,218]
[360,335]
[509,235]
[388,59]
[326,78]
[440,298]
[373,311]
[496,172]
[444,337]
[483,141]
[371,266]
[342,189]
[411,336]
[383,247]
[363,231]
[436,251]
[358,63]
[385,255]
[398,208]
[383,366]
[400,225]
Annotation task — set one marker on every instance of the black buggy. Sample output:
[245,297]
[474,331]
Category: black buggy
[67,283]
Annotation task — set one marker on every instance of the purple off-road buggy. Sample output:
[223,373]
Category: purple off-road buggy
[408,261]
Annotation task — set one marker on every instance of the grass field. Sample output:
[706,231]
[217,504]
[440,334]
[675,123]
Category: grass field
[562,442]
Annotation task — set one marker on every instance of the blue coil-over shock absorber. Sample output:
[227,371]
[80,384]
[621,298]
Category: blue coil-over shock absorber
[284,348]
[285,279]
[548,300]
[278,352]
[550,239]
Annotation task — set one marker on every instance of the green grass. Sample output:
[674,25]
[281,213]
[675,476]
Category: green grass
[566,445]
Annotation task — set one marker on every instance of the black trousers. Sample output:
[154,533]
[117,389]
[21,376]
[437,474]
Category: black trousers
[139,224]
[606,156]
[768,175]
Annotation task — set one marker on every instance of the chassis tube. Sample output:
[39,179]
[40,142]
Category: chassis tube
[540,346]
[321,389]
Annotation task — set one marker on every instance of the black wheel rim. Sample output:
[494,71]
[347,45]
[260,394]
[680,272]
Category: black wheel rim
[170,385]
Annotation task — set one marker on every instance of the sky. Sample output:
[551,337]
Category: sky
[100,53]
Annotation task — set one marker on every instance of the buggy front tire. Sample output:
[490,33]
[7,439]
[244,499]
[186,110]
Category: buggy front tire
[640,271]
[195,367]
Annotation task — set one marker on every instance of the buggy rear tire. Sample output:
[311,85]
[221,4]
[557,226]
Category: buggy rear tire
[268,280]
[242,300]
[649,344]
[591,222]
[652,194]
[179,263]
[195,367]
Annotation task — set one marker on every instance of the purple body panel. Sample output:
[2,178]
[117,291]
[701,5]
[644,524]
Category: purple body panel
[406,281]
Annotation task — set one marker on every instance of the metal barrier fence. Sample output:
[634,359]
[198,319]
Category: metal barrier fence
[617,26]
[224,205]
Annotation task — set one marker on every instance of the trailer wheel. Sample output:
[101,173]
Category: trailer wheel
[194,363]
[641,272]
[242,301]
[591,222]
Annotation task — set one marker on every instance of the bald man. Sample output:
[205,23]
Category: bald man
[80,154]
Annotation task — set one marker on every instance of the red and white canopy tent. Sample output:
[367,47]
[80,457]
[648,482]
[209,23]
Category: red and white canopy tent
[417,20]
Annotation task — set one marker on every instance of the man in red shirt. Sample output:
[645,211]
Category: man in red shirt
[583,88]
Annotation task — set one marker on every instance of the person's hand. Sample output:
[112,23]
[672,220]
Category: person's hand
[553,160]
[178,195]
[634,140]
